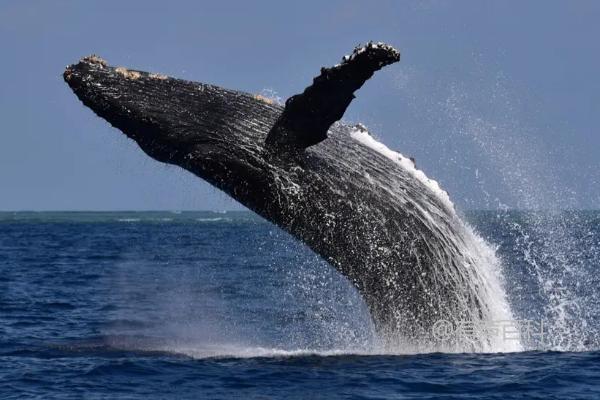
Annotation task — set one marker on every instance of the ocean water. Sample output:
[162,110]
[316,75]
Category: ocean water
[225,305]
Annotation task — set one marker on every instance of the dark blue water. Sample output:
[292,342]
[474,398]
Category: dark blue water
[207,305]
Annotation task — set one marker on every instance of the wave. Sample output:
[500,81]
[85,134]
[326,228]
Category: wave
[150,345]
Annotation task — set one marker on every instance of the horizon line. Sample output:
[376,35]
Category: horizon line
[250,211]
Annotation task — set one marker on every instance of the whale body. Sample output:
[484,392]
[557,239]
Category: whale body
[367,210]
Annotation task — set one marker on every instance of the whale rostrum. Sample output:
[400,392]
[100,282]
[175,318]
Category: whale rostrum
[363,208]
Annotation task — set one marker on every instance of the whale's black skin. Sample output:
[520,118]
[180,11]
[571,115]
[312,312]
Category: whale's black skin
[358,209]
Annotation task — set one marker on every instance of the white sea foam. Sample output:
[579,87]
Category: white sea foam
[213,219]
[240,350]
[237,351]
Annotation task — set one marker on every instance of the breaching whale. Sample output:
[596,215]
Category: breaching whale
[364,208]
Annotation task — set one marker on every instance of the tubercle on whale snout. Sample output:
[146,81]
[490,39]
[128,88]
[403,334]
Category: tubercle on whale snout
[96,63]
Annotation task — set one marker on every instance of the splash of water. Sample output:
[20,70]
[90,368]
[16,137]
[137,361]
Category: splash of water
[469,259]
[547,243]
[459,255]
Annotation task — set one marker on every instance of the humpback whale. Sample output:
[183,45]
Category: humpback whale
[365,209]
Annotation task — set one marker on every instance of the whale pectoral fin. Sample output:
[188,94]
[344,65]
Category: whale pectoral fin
[308,116]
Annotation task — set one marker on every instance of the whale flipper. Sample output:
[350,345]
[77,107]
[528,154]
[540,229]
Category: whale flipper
[307,116]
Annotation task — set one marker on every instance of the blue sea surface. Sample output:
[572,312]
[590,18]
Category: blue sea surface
[225,305]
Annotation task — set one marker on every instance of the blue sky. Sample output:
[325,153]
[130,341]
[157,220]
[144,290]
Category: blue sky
[498,101]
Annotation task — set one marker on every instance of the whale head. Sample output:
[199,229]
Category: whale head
[244,144]
[215,133]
